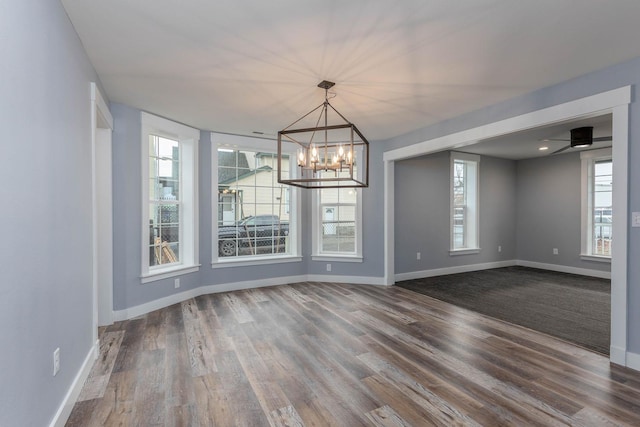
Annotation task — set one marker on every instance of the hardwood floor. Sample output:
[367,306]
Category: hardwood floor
[317,354]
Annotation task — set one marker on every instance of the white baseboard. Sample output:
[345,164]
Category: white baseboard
[139,310]
[453,270]
[633,361]
[565,269]
[142,309]
[485,266]
[618,355]
[62,415]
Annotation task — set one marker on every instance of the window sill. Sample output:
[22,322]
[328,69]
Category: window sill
[249,261]
[337,258]
[165,273]
[456,252]
[597,258]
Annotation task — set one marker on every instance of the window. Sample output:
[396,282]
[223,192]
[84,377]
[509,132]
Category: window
[169,236]
[337,223]
[464,203]
[597,202]
[255,216]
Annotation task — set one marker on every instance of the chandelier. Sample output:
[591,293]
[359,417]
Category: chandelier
[324,151]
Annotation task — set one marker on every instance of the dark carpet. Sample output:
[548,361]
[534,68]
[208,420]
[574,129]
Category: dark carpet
[567,306]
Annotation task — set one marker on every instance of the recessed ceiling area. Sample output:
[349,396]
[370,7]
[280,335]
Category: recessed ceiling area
[526,144]
[253,66]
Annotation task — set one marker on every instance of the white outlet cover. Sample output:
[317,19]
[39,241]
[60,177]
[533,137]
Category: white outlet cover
[635,219]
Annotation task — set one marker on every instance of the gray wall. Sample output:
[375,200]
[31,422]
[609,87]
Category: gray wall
[372,227]
[127,211]
[528,207]
[46,274]
[422,213]
[549,211]
[45,297]
[627,73]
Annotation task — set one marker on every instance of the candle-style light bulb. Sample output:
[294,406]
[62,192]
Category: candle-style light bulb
[340,152]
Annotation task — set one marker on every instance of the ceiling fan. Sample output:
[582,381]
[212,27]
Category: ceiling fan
[580,137]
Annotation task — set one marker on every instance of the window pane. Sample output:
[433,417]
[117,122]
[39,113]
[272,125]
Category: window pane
[459,172]
[338,220]
[164,234]
[459,220]
[164,185]
[464,201]
[253,209]
[459,202]
[338,195]
[602,196]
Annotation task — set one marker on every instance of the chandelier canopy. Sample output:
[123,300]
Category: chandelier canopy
[325,151]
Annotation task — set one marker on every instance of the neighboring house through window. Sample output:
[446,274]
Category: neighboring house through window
[337,223]
[255,218]
[464,203]
[597,202]
[169,191]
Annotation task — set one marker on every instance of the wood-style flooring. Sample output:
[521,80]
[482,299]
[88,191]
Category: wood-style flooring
[567,306]
[319,354]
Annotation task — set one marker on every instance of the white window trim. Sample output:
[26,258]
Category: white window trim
[249,261]
[587,159]
[189,138]
[474,247]
[455,252]
[167,273]
[237,142]
[316,224]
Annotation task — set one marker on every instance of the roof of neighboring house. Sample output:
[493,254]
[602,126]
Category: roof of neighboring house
[229,160]
[235,178]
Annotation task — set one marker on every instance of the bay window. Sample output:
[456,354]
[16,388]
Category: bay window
[169,218]
[337,223]
[255,217]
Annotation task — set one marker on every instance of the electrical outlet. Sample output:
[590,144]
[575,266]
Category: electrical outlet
[635,219]
[418,255]
[499,248]
[328,267]
[555,251]
[176,283]
[56,361]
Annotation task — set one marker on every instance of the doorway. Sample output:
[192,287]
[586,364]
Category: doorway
[102,126]
[615,102]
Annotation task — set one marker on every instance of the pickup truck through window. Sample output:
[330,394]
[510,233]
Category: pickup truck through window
[261,234]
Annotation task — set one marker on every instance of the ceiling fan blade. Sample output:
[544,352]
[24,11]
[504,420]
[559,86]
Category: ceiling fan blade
[555,139]
[602,138]
[560,150]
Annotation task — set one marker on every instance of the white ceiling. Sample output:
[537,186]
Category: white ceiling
[240,66]
[526,144]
